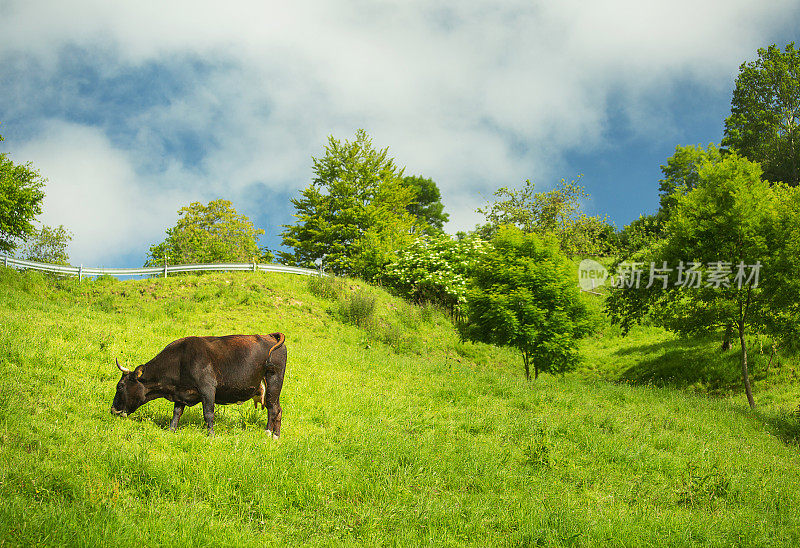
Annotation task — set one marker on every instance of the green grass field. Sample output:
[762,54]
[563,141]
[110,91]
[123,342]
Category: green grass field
[394,431]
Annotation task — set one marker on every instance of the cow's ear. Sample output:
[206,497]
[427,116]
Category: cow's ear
[139,373]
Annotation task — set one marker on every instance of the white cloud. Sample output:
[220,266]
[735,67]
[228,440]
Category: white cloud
[93,190]
[476,95]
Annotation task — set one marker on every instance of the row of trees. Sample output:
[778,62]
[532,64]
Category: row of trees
[731,226]
[507,282]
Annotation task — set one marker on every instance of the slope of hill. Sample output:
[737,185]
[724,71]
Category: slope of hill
[394,432]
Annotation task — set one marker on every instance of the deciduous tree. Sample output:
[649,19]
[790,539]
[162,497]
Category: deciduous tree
[764,124]
[734,230]
[681,173]
[523,294]
[427,206]
[48,245]
[212,233]
[553,212]
[21,195]
[353,215]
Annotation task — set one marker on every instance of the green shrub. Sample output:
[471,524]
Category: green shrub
[104,303]
[357,308]
[433,270]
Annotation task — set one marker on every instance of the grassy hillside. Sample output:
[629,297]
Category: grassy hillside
[394,432]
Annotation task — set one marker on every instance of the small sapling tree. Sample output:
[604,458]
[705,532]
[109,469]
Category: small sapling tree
[523,294]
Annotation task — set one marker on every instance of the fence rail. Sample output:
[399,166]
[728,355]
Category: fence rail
[82,271]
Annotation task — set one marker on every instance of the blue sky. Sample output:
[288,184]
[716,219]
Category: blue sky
[134,109]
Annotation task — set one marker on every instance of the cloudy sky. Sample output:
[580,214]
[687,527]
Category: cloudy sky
[134,109]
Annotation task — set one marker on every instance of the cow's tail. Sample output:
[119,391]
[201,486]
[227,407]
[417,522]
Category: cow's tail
[280,337]
[261,397]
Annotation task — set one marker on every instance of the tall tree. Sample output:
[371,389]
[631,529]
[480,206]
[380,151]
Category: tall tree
[21,195]
[427,206]
[354,212]
[556,211]
[212,233]
[764,124]
[523,294]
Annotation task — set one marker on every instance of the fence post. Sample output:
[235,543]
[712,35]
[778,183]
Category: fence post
[165,266]
[80,273]
[5,258]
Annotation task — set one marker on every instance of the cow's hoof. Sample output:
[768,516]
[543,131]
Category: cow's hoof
[276,437]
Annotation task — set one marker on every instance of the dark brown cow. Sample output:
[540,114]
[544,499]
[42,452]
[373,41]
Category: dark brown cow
[209,370]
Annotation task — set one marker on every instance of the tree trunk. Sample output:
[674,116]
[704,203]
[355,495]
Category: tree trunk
[726,340]
[745,375]
[526,361]
[771,356]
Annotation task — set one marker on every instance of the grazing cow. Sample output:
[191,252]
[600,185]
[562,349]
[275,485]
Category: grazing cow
[209,370]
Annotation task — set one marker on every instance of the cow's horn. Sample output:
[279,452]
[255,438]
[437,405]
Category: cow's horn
[122,368]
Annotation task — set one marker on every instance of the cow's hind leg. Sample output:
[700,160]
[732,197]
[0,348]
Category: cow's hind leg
[208,415]
[274,422]
[208,410]
[273,393]
[176,415]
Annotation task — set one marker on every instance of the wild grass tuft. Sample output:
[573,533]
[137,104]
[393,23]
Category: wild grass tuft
[357,308]
[326,287]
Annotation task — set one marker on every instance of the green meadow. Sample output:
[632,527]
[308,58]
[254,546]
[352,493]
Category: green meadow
[394,431]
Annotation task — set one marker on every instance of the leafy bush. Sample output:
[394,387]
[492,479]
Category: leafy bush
[394,336]
[434,270]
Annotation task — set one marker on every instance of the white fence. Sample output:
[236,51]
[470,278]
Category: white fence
[82,271]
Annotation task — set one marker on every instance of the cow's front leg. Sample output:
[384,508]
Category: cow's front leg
[176,415]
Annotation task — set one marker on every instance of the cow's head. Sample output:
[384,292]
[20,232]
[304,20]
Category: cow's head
[130,393]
